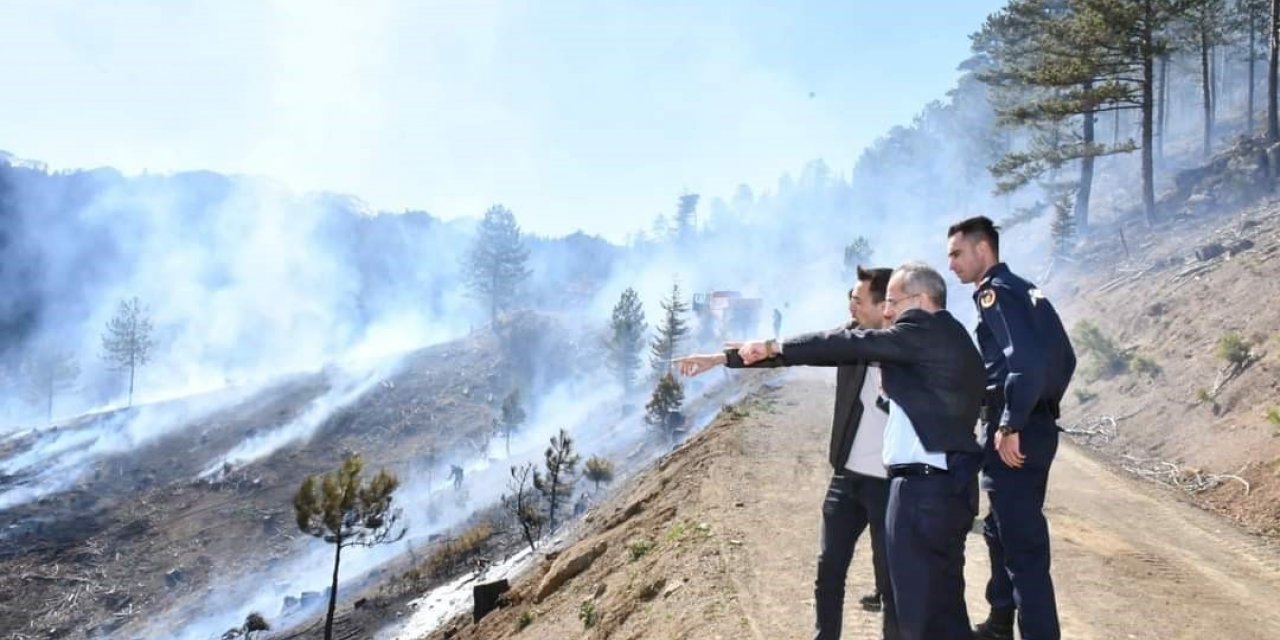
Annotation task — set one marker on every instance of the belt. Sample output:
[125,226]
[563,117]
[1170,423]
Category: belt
[915,469]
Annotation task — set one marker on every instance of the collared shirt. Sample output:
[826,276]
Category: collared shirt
[903,446]
[866,455]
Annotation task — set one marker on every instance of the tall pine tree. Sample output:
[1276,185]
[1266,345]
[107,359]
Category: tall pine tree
[1251,19]
[671,332]
[127,344]
[1050,77]
[627,328]
[556,485]
[1094,56]
[496,264]
[686,217]
[1273,75]
[47,373]
[662,412]
[1203,29]
[1133,34]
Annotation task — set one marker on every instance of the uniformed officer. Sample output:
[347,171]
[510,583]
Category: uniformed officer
[1029,363]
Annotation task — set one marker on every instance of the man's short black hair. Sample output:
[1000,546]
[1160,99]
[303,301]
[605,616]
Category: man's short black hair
[879,279]
[978,228]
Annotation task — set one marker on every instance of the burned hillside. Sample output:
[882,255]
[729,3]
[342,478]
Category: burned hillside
[151,530]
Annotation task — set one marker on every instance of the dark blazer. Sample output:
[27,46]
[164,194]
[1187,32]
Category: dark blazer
[928,365]
[848,408]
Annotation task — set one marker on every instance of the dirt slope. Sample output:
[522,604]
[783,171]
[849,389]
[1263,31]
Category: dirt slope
[728,526]
[1159,303]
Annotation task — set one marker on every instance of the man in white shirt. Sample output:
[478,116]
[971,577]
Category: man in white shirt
[859,489]
[858,493]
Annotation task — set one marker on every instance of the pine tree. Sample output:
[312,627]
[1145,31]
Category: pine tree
[662,412]
[856,253]
[1203,29]
[47,373]
[628,327]
[522,503]
[1251,19]
[686,217]
[1047,81]
[671,332]
[1078,58]
[511,418]
[1134,34]
[496,264]
[1062,229]
[1273,75]
[127,344]
[598,470]
[344,511]
[557,485]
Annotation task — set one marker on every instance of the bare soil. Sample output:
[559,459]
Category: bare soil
[1161,304]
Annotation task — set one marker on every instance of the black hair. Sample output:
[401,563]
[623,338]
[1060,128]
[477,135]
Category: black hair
[978,228]
[879,279]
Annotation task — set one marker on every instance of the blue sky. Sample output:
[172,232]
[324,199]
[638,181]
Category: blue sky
[575,114]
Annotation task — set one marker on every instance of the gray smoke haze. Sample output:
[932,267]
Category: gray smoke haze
[242,278]
[346,386]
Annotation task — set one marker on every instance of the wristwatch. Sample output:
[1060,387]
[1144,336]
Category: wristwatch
[1005,429]
[772,348]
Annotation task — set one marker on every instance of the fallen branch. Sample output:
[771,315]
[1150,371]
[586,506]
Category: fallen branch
[1099,427]
[1121,281]
[37,576]
[1194,271]
[1171,475]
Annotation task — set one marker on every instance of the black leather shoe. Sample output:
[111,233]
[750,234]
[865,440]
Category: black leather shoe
[871,601]
[989,631]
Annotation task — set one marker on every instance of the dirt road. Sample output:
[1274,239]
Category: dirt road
[1131,560]
[732,518]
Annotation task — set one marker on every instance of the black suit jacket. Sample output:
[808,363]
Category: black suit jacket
[928,365]
[848,407]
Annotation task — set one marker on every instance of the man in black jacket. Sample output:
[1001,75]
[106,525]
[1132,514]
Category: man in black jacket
[858,493]
[933,377]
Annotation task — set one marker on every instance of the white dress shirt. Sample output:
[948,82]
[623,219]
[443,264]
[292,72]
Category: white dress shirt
[903,446]
[866,455]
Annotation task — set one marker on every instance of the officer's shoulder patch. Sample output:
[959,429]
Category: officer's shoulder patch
[987,298]
[1036,295]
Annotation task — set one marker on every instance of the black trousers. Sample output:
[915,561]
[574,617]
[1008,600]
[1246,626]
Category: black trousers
[927,521]
[1017,533]
[853,503]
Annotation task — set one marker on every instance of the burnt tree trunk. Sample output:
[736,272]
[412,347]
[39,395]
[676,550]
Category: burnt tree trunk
[1086,172]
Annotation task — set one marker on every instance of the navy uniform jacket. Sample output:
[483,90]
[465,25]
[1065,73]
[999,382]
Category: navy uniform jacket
[1028,356]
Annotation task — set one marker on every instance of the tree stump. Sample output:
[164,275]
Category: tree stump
[486,598]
